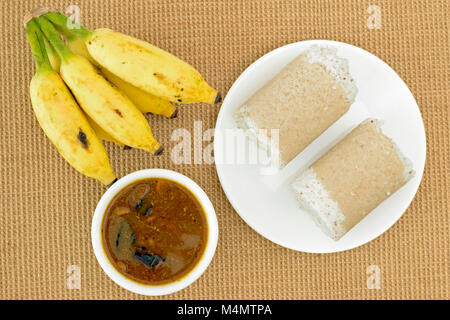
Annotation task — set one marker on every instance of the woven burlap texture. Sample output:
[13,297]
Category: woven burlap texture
[46,207]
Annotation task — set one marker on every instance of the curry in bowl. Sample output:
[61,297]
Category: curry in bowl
[154,231]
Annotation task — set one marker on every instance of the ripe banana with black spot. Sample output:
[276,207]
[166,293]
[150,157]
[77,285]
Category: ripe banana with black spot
[61,118]
[55,62]
[144,101]
[143,65]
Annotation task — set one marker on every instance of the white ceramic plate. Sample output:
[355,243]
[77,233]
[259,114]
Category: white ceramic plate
[267,203]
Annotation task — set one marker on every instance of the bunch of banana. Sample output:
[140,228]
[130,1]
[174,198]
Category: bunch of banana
[61,118]
[101,101]
[114,78]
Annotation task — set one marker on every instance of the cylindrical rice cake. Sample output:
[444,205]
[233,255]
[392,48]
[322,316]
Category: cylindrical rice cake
[352,179]
[302,101]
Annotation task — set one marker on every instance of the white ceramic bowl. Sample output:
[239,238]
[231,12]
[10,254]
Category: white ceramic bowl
[145,289]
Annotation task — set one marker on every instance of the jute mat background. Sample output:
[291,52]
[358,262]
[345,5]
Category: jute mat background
[46,207]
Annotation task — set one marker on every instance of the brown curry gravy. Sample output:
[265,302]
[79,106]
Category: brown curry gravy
[154,231]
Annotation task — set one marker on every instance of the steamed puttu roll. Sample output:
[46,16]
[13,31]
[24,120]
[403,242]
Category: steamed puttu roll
[302,101]
[352,179]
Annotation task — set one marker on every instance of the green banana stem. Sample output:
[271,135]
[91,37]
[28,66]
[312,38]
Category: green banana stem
[55,61]
[63,22]
[36,41]
[54,39]
[66,33]
[76,44]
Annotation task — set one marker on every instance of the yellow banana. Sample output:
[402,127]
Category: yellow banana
[55,62]
[143,65]
[144,101]
[102,102]
[60,117]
